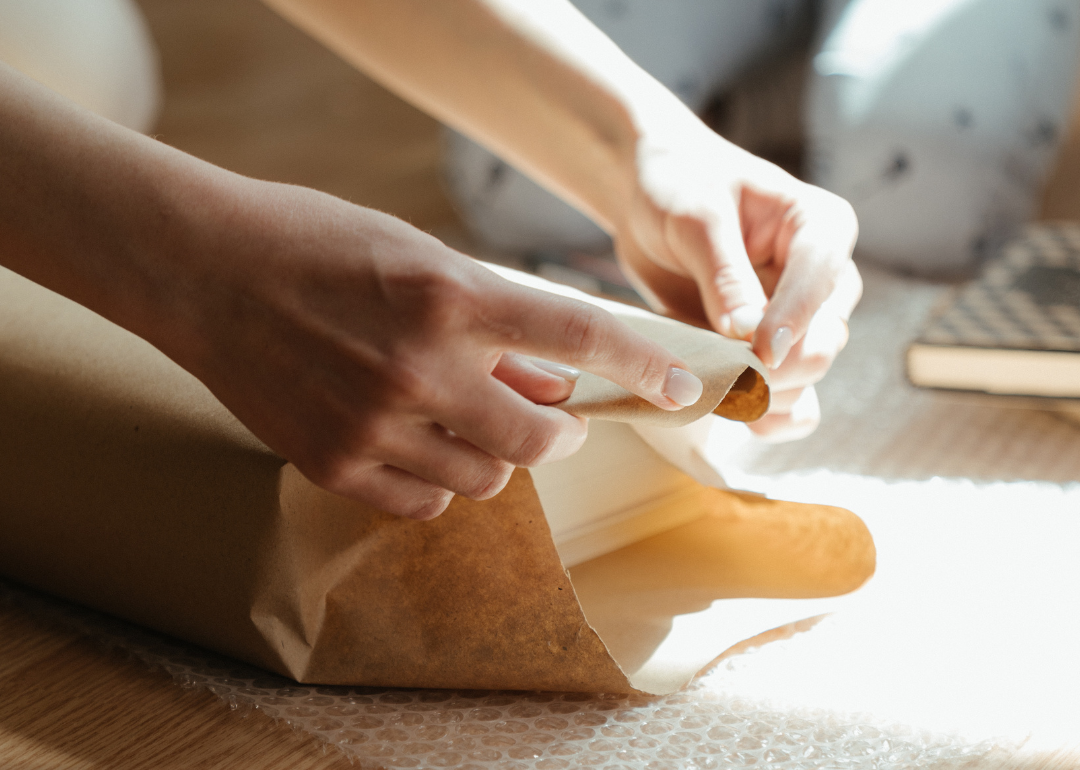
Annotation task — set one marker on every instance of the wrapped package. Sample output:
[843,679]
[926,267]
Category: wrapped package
[129,488]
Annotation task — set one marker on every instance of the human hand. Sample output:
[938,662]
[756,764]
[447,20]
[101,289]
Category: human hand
[721,238]
[384,365]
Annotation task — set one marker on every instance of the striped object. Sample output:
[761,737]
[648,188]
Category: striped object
[1016,329]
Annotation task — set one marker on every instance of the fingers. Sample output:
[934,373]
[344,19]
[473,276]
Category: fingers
[811,357]
[715,254]
[412,467]
[817,270]
[666,292]
[390,489]
[542,382]
[581,335]
[435,455]
[504,424]
[783,401]
[798,414]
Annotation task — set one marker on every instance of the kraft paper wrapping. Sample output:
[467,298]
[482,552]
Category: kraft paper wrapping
[126,486]
[736,386]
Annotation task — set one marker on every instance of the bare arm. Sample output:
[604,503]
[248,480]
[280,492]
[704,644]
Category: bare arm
[385,365]
[511,74]
[706,231]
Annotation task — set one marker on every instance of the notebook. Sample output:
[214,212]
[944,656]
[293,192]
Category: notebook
[1015,330]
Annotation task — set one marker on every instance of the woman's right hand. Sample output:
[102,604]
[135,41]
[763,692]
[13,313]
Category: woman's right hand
[386,366]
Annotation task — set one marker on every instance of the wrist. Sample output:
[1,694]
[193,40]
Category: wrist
[146,257]
[88,209]
[198,230]
[668,149]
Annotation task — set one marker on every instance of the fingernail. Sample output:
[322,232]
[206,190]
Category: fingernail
[568,373]
[780,346]
[682,387]
[741,322]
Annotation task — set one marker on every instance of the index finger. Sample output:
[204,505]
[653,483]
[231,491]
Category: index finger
[570,331]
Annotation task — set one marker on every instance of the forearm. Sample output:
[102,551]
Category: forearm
[535,81]
[91,210]
[706,232]
[386,366]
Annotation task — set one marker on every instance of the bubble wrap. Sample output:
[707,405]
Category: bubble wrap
[702,727]
[921,670]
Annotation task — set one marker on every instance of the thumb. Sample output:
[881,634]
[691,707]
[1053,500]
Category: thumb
[714,253]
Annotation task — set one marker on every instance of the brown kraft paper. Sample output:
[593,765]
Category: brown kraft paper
[128,487]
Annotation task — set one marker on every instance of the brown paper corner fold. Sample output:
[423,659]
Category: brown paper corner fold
[129,488]
[736,384]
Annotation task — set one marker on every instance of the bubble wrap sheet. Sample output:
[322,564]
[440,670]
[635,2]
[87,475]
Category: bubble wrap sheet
[960,653]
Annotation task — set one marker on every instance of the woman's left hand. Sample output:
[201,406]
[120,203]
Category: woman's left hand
[723,239]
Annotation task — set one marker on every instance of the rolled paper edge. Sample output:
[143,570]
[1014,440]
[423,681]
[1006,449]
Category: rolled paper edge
[747,399]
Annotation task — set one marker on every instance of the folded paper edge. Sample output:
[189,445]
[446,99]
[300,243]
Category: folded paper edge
[736,381]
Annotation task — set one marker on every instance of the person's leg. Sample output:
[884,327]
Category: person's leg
[694,47]
[939,121]
[97,53]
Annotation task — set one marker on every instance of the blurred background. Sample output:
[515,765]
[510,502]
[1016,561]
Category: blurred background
[946,123]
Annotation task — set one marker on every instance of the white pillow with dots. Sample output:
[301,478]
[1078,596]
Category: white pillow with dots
[939,119]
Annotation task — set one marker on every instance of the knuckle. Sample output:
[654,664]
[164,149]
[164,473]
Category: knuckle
[653,373]
[334,470]
[732,283]
[536,445]
[424,286]
[337,463]
[367,432]
[447,296]
[839,212]
[691,228]
[430,300]
[426,507]
[488,480]
[407,379]
[583,334]
[815,366]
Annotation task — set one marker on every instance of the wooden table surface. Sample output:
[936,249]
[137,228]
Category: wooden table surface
[67,702]
[248,92]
